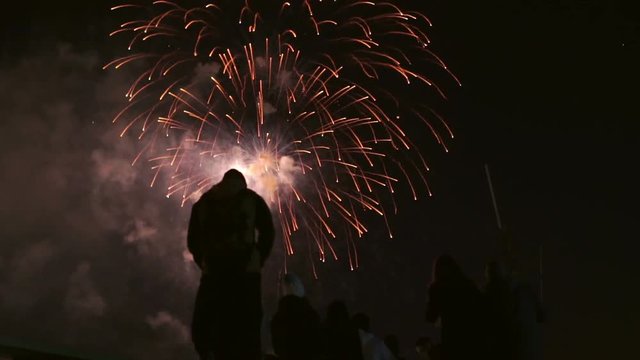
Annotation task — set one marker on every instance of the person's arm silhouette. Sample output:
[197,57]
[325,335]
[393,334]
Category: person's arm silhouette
[433,305]
[266,231]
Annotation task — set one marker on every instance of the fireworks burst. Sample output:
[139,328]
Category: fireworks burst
[298,95]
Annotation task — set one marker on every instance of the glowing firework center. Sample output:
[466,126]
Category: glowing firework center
[265,173]
[217,137]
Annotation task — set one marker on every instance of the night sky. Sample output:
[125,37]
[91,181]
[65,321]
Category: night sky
[549,101]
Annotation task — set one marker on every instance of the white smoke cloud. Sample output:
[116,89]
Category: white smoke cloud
[141,236]
[206,71]
[82,230]
[115,170]
[202,75]
[140,232]
[174,328]
[27,271]
[83,299]
[269,108]
[288,170]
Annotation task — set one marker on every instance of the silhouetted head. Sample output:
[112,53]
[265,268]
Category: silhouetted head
[292,285]
[446,269]
[361,321]
[393,344]
[234,176]
[337,313]
[232,182]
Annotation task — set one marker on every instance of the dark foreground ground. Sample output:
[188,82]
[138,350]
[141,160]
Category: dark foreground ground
[14,350]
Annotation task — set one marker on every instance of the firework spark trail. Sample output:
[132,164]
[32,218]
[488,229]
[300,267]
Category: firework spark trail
[289,92]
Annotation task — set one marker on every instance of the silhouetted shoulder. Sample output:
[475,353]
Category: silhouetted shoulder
[254,195]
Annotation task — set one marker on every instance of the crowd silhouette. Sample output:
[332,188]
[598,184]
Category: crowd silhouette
[230,236]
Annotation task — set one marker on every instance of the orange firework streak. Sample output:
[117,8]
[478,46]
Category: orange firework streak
[240,84]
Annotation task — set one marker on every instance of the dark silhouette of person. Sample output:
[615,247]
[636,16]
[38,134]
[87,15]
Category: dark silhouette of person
[529,314]
[457,303]
[295,328]
[222,239]
[341,338]
[372,347]
[393,344]
[500,302]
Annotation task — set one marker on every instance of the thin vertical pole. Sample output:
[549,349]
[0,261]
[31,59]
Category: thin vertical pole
[493,196]
[540,274]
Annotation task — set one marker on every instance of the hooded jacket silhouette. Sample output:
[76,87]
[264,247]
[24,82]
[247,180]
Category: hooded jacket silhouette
[223,224]
[295,329]
[341,338]
[223,241]
[456,301]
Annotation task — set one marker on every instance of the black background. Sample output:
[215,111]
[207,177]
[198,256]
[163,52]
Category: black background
[549,100]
